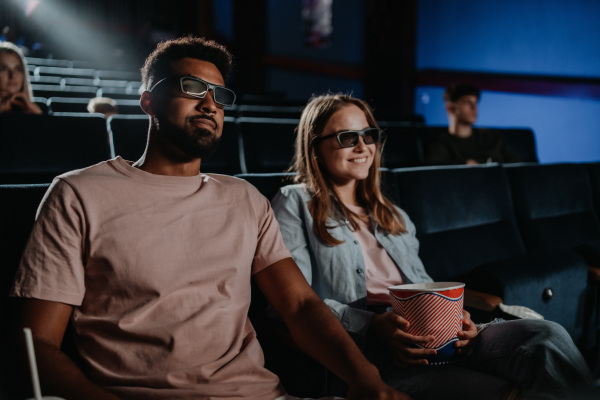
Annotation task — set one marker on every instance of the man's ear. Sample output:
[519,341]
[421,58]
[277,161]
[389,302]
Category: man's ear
[450,108]
[146,103]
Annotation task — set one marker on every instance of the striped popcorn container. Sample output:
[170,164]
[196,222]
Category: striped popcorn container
[432,308]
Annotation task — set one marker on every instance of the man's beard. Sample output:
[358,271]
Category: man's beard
[194,141]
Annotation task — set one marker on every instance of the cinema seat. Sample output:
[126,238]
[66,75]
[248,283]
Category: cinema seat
[401,147]
[48,91]
[555,208]
[594,171]
[468,232]
[36,148]
[268,143]
[520,140]
[18,205]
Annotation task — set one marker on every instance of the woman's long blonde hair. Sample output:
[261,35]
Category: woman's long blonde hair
[325,201]
[10,48]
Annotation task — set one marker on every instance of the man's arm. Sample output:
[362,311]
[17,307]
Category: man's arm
[317,332]
[59,375]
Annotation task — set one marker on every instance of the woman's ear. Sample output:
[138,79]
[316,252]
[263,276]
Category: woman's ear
[146,103]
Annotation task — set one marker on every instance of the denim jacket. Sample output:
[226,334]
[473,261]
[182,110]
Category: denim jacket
[337,273]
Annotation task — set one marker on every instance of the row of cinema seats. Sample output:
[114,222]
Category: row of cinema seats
[129,106]
[522,234]
[35,148]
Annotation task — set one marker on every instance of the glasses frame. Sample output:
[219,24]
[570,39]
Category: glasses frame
[359,132]
[210,86]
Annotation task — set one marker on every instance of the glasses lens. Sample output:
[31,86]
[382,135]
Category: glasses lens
[371,135]
[348,138]
[192,86]
[224,96]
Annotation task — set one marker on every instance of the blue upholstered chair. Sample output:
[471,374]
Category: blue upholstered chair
[468,232]
[36,148]
[554,206]
[556,209]
[267,143]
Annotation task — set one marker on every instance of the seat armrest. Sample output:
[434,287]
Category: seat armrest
[481,301]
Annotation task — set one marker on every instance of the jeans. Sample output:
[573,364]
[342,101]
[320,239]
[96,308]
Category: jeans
[535,358]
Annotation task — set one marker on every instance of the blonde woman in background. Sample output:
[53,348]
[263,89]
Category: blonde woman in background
[15,91]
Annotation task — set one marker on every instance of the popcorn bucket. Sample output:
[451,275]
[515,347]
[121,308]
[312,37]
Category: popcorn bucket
[432,308]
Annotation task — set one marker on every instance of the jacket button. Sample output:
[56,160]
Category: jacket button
[359,271]
[356,242]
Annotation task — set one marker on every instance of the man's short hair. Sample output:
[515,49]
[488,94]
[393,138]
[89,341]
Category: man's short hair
[455,92]
[158,63]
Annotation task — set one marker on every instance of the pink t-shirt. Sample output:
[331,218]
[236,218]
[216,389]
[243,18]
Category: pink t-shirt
[382,271]
[158,269]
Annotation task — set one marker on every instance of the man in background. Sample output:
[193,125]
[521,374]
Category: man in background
[462,143]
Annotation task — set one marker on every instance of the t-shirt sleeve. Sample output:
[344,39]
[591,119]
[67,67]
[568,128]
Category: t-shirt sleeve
[270,247]
[52,266]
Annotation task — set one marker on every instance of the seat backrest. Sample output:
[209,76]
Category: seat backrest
[553,204]
[119,93]
[74,104]
[128,135]
[463,216]
[64,71]
[67,104]
[268,183]
[35,148]
[401,148]
[48,91]
[268,143]
[594,171]
[264,111]
[520,140]
[18,206]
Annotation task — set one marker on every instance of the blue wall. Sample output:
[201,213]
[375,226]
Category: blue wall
[543,37]
[537,37]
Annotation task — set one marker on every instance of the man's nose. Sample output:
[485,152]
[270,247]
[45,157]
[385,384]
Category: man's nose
[208,101]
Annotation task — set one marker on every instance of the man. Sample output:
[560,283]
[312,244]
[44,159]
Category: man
[151,261]
[462,144]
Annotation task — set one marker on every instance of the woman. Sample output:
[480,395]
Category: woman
[15,90]
[351,243]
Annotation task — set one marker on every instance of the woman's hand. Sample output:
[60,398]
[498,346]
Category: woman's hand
[391,328]
[467,335]
[19,101]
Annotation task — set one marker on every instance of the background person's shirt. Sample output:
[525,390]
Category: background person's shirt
[158,269]
[483,147]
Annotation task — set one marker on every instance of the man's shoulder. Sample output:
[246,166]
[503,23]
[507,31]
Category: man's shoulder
[231,184]
[103,168]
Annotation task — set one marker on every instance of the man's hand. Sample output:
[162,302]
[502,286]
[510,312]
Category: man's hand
[467,335]
[391,327]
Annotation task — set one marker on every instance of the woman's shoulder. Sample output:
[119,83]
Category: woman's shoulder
[297,190]
[291,196]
